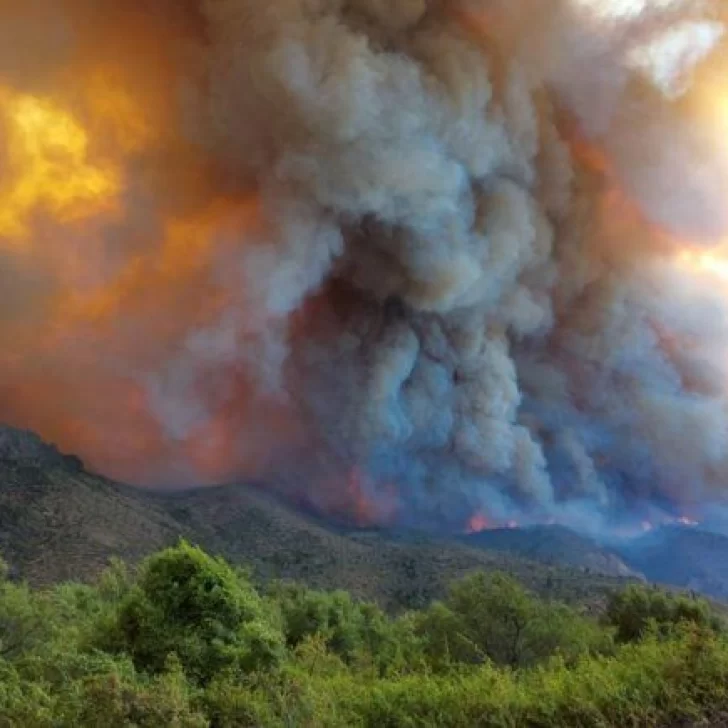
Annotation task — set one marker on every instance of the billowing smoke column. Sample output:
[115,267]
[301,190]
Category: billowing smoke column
[410,261]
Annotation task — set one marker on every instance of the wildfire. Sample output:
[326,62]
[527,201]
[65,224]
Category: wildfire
[123,292]
[479,522]
[47,167]
[125,208]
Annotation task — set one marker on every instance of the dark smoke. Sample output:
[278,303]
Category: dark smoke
[464,283]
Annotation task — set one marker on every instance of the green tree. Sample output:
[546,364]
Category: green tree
[352,630]
[635,610]
[493,618]
[26,620]
[189,604]
[115,581]
[307,612]
[494,614]
[22,702]
[113,699]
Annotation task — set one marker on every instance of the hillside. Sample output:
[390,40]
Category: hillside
[59,522]
[698,559]
[554,545]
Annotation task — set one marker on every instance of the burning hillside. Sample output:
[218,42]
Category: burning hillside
[427,262]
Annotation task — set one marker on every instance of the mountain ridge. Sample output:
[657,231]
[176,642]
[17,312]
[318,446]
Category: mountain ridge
[59,522]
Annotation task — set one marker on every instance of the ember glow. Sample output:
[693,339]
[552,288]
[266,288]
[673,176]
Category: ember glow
[47,159]
[434,264]
[478,523]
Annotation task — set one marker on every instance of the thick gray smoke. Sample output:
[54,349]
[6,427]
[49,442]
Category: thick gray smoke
[453,301]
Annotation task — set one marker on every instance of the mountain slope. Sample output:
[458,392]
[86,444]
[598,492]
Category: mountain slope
[59,522]
[554,545]
[685,557]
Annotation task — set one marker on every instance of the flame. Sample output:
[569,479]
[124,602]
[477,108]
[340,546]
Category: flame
[708,105]
[478,523]
[47,167]
[354,498]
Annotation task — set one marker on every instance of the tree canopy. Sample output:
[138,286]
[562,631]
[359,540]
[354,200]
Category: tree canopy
[186,640]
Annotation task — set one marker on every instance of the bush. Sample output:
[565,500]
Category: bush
[188,642]
[195,607]
[354,631]
[493,618]
[637,609]
[27,620]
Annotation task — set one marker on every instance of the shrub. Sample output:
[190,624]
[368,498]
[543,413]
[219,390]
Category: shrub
[188,642]
[191,605]
[354,631]
[493,618]
[635,610]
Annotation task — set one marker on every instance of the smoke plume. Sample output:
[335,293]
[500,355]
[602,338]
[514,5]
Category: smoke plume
[408,261]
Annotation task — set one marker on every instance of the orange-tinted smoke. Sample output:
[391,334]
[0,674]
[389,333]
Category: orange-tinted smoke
[112,228]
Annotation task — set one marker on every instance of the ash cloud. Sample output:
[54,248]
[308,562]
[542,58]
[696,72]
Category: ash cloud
[440,291]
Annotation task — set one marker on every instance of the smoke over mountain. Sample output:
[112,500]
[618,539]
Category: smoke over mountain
[410,261]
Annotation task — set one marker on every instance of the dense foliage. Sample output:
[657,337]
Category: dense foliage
[188,641]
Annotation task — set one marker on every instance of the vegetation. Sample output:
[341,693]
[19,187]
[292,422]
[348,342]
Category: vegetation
[188,641]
